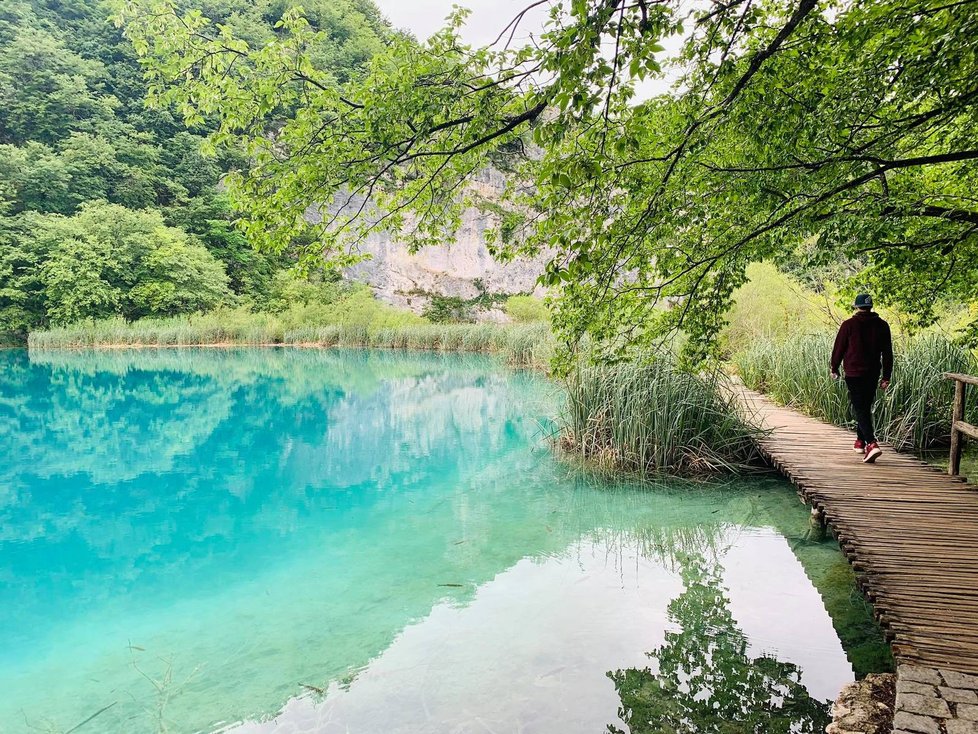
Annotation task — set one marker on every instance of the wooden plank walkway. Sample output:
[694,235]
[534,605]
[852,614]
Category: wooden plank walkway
[909,530]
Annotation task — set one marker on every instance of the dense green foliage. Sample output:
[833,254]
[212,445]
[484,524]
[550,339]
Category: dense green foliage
[773,305]
[106,260]
[108,207]
[441,309]
[654,418]
[834,138]
[914,414]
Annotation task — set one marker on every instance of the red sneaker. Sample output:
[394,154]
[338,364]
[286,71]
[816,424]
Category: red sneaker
[873,452]
[859,447]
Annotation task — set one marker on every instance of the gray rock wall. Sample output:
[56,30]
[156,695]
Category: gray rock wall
[462,267]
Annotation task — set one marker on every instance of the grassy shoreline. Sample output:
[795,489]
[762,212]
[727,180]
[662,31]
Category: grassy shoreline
[648,419]
[644,418]
[524,345]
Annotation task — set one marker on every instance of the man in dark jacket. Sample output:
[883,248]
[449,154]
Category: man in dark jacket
[864,346]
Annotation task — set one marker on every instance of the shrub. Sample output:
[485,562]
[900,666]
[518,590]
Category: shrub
[289,290]
[443,309]
[772,305]
[526,309]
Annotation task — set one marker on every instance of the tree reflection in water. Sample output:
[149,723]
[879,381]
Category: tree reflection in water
[706,683]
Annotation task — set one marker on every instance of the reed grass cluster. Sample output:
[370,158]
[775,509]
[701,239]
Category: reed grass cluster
[913,415]
[655,418]
[529,345]
[522,345]
[223,326]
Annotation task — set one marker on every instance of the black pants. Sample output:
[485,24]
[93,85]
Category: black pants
[862,393]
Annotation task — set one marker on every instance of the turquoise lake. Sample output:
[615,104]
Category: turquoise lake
[265,541]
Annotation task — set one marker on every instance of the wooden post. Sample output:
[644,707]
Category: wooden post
[957,438]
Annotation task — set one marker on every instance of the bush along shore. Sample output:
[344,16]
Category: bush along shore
[650,418]
[913,415]
[525,345]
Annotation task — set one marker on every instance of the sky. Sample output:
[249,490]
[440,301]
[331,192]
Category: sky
[488,18]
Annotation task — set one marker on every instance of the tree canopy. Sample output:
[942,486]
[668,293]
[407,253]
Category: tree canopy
[105,260]
[807,132]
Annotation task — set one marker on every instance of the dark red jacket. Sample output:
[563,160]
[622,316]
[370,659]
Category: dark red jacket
[864,345]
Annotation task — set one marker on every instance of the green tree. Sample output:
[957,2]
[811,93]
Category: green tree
[107,260]
[178,277]
[35,178]
[123,169]
[118,165]
[526,309]
[83,278]
[802,129]
[250,271]
[22,300]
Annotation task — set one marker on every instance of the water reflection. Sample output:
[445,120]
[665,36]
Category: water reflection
[194,538]
[528,652]
[705,681]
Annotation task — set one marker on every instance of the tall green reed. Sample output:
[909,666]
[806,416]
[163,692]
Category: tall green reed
[655,418]
[527,345]
[914,414]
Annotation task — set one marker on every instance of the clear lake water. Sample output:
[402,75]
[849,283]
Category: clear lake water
[276,541]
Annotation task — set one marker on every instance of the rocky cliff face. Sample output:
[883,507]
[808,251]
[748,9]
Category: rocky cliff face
[461,268]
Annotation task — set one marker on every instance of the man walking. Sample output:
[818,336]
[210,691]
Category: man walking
[864,346]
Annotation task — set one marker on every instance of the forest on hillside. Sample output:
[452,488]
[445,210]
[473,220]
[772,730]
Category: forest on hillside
[109,207]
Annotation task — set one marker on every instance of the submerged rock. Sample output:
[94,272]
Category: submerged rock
[865,706]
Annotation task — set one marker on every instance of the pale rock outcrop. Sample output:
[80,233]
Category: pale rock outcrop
[865,706]
[462,267]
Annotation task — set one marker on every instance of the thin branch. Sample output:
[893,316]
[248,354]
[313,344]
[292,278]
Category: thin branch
[514,23]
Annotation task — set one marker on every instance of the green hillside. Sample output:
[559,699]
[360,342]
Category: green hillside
[109,207]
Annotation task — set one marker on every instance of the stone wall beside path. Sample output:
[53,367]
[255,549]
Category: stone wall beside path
[935,701]
[917,700]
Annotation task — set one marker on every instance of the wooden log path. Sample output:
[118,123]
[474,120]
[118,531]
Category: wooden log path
[909,530]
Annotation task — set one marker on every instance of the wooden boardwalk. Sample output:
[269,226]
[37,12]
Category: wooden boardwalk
[910,532]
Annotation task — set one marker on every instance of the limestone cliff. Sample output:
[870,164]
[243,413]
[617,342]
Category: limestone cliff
[462,267]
